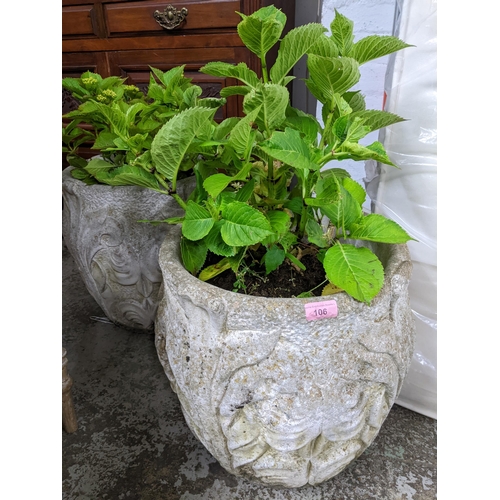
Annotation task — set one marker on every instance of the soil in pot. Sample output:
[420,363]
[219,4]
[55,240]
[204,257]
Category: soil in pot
[285,282]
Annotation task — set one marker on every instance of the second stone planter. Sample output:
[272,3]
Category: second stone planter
[116,255]
[273,396]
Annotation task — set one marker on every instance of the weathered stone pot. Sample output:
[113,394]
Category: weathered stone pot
[275,397]
[116,255]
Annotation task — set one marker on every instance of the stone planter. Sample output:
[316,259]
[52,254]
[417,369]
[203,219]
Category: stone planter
[272,396]
[117,256]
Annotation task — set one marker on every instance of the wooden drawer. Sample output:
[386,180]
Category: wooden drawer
[77,20]
[135,66]
[138,17]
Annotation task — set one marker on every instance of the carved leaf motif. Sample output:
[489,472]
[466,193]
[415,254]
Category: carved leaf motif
[314,421]
[138,314]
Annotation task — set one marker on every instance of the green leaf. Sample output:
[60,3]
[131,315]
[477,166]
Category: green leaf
[344,212]
[95,166]
[191,95]
[307,125]
[270,11]
[342,33]
[216,244]
[279,220]
[224,128]
[175,138]
[272,101]
[374,151]
[245,193]
[350,130]
[331,76]
[315,234]
[325,47]
[376,119]
[225,70]
[340,173]
[76,161]
[375,46]
[234,90]
[194,254]
[235,261]
[110,82]
[355,189]
[155,91]
[356,270]
[73,86]
[295,205]
[216,183]
[327,192]
[260,31]
[355,100]
[215,269]
[133,110]
[223,200]
[128,175]
[296,261]
[197,222]
[290,148]
[171,77]
[115,118]
[105,140]
[243,225]
[376,227]
[288,241]
[82,175]
[280,225]
[273,258]
[198,195]
[294,45]
[242,136]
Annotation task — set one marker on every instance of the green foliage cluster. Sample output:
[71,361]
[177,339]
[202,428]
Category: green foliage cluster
[261,184]
[120,122]
[261,181]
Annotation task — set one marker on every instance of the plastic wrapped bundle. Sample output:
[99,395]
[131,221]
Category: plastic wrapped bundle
[409,195]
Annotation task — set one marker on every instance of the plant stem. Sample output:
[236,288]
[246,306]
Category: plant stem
[317,286]
[323,161]
[179,200]
[270,169]
[160,179]
[270,177]
[327,126]
[264,69]
[303,221]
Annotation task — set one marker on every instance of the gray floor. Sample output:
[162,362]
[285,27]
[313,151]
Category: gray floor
[133,443]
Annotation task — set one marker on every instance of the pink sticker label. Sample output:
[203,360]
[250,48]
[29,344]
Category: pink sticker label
[321,310]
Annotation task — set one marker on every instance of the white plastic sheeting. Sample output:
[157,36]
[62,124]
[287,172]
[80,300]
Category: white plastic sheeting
[409,195]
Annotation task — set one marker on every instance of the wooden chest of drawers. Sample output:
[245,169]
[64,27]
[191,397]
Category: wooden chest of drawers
[125,38]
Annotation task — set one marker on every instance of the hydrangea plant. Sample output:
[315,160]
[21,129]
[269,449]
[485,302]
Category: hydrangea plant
[261,181]
[120,122]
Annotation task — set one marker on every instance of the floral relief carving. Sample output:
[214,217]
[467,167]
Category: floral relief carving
[117,256]
[290,412]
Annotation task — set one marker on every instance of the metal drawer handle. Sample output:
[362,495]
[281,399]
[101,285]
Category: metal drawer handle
[170,18]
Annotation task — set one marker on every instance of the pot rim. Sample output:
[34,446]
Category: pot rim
[399,263]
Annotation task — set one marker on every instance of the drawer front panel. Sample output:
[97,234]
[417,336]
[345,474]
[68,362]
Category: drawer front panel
[77,20]
[138,17]
[135,66]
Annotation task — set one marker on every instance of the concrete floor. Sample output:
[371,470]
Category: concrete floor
[133,443]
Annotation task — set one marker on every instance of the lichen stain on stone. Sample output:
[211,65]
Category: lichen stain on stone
[394,452]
